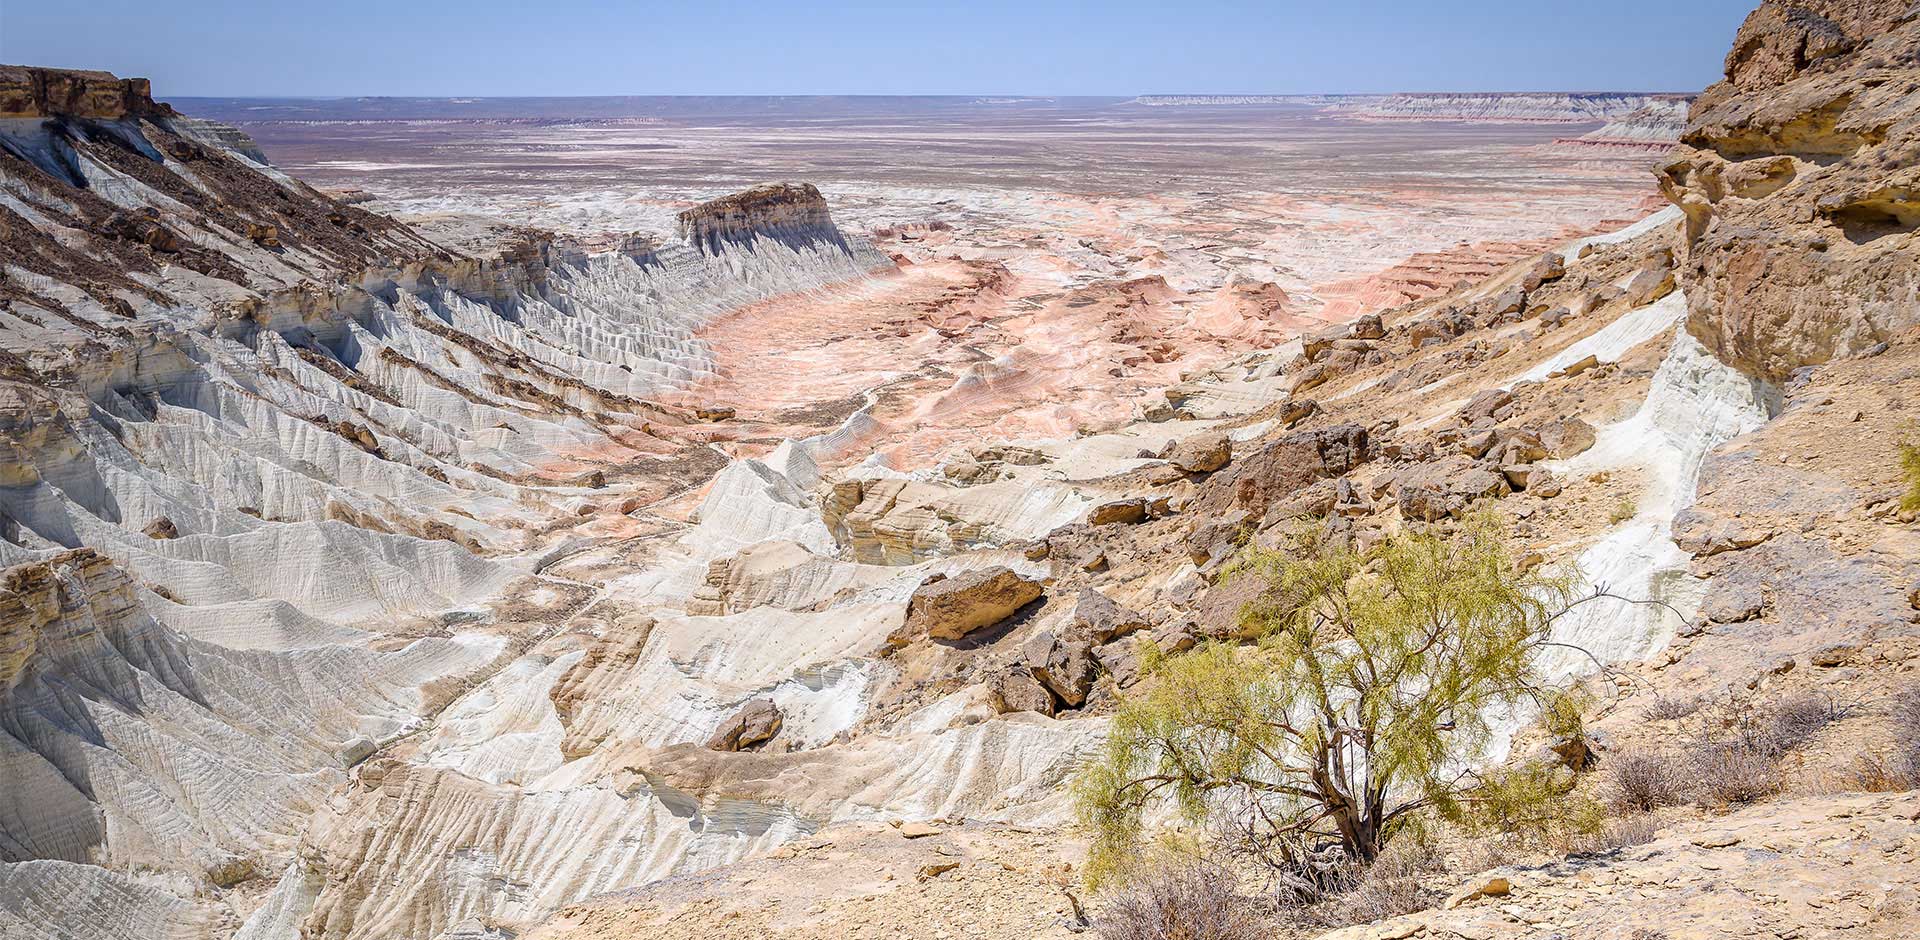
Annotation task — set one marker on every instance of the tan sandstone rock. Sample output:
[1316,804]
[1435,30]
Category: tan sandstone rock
[949,608]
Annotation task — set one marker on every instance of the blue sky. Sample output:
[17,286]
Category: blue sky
[1121,47]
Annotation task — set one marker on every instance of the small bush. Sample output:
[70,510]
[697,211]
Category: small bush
[1622,511]
[1643,781]
[1886,773]
[1793,722]
[1740,742]
[1533,804]
[1637,829]
[1734,773]
[1900,770]
[1663,708]
[1769,729]
[1180,900]
[1906,710]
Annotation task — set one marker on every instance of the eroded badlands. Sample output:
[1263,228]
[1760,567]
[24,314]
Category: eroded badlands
[450,559]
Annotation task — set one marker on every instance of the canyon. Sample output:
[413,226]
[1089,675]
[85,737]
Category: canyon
[586,518]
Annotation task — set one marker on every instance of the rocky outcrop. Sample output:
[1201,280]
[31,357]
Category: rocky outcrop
[753,725]
[1800,189]
[27,92]
[950,608]
[1278,470]
[1202,453]
[774,210]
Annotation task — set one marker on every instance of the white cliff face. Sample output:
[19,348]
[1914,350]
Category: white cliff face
[1696,404]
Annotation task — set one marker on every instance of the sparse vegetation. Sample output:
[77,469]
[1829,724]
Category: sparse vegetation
[1618,833]
[1400,881]
[1732,752]
[1899,769]
[1365,694]
[1623,510]
[1730,773]
[1643,781]
[1740,742]
[1180,899]
[1534,804]
[1663,708]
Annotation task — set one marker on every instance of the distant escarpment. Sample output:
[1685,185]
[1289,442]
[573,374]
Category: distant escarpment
[1801,188]
[1204,101]
[1655,127]
[1504,107]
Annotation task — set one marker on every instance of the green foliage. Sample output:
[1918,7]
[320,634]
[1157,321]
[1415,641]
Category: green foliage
[1623,510]
[1361,702]
[1535,803]
[1561,715]
[1910,475]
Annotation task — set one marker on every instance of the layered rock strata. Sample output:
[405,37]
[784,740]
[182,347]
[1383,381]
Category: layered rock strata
[1800,189]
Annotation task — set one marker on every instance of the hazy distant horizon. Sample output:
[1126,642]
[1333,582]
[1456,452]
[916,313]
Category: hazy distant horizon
[495,49]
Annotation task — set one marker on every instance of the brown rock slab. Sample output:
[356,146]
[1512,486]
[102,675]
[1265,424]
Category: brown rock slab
[949,608]
[1119,511]
[755,723]
[1202,453]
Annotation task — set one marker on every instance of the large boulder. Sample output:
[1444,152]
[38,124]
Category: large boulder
[1064,664]
[949,608]
[1566,437]
[755,723]
[1285,465]
[1484,406]
[1549,267]
[1097,617]
[1121,660]
[1015,688]
[1444,488]
[1119,511]
[1202,453]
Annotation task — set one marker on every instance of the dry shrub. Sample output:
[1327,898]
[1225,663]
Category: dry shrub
[1733,773]
[1906,708]
[1399,882]
[1643,781]
[1620,833]
[1793,722]
[1885,773]
[1740,743]
[1181,899]
[1663,708]
[1899,770]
